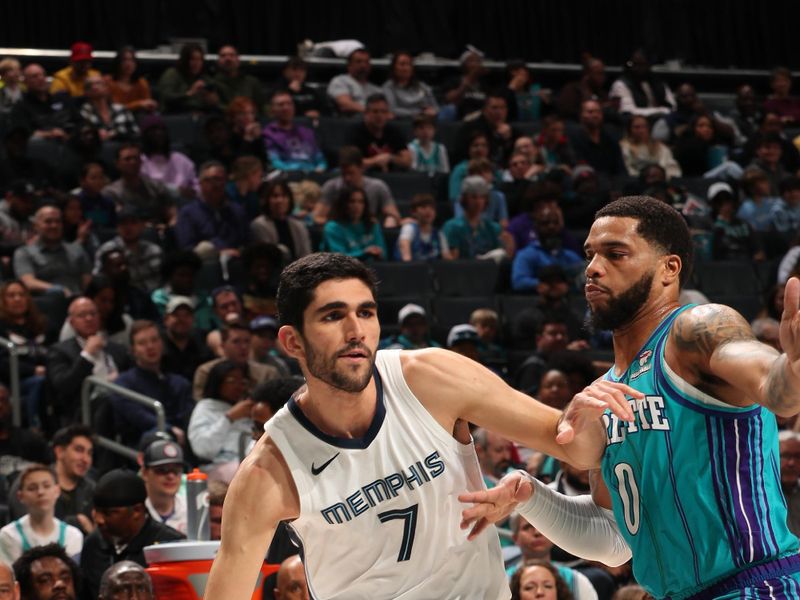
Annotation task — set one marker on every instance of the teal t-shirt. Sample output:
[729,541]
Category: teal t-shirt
[471,242]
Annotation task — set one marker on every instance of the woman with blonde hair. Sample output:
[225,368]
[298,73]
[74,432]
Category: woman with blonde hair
[640,150]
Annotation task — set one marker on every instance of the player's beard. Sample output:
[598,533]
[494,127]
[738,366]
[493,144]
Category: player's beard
[622,308]
[345,379]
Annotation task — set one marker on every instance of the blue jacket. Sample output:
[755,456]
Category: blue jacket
[528,261]
[173,391]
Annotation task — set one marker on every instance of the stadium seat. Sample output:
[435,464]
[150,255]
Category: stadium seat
[405,185]
[412,279]
[465,277]
[510,306]
[209,276]
[449,312]
[695,185]
[722,278]
[332,133]
[446,133]
[183,128]
[54,307]
[47,151]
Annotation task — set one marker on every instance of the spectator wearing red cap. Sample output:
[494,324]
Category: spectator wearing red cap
[72,79]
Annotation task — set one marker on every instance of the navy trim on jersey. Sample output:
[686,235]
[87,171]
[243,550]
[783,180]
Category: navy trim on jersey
[349,443]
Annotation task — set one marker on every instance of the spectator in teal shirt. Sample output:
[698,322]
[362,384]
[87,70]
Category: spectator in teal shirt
[472,235]
[352,230]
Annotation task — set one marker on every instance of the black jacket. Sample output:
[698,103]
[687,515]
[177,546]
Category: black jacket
[66,370]
[98,554]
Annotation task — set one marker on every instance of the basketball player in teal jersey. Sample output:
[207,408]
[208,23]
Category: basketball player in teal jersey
[691,469]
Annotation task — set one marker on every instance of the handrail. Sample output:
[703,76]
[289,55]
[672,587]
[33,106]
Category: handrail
[86,399]
[425,62]
[13,367]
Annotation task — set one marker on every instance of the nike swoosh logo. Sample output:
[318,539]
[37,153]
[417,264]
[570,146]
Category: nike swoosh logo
[321,468]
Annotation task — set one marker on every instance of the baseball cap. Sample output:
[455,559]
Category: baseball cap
[119,488]
[263,322]
[409,310]
[177,301]
[462,333]
[81,51]
[583,171]
[163,452]
[718,187]
[22,188]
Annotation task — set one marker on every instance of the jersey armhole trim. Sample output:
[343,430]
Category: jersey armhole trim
[420,411]
[686,394]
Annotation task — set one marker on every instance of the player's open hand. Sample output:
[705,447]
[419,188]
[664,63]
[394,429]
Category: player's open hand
[790,323]
[587,406]
[491,506]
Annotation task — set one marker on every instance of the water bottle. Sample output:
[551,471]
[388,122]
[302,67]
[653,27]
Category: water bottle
[197,524]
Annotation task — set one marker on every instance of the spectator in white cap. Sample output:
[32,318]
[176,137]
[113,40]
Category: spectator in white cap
[466,92]
[162,472]
[732,237]
[184,347]
[414,330]
[471,235]
[464,339]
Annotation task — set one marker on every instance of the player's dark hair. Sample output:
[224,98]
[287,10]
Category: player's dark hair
[659,224]
[300,280]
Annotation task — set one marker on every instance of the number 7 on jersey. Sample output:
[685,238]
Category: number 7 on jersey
[409,517]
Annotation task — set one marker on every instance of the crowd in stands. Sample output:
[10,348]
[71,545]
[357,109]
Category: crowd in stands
[144,225]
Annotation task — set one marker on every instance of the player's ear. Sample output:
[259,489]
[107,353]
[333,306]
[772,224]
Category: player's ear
[672,269]
[292,341]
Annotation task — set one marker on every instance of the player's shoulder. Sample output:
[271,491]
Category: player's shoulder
[263,474]
[703,327]
[431,362]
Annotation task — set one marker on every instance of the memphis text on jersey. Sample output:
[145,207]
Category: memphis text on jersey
[648,415]
[386,488]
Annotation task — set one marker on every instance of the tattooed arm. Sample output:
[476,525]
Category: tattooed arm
[715,349]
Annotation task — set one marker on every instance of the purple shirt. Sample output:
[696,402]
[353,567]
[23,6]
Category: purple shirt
[521,229]
[293,149]
[175,172]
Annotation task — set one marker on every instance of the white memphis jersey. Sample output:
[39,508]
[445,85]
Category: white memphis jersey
[379,516]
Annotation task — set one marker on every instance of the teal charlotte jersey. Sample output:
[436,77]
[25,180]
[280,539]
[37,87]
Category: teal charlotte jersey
[695,483]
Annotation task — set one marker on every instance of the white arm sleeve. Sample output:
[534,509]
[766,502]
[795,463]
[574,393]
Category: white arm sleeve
[576,524]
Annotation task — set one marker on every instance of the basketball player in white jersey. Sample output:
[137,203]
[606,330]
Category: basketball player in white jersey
[367,461]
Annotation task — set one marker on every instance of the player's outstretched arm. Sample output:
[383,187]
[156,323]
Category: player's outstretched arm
[715,345]
[453,387]
[581,525]
[261,494]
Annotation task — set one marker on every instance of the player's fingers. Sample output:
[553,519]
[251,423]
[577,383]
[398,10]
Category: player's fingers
[616,400]
[791,299]
[478,529]
[624,388]
[565,433]
[473,497]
